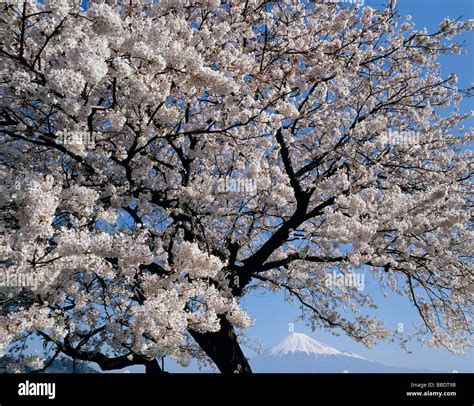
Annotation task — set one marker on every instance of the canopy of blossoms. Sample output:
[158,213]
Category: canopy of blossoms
[121,122]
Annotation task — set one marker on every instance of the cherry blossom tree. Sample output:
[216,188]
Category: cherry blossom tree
[339,144]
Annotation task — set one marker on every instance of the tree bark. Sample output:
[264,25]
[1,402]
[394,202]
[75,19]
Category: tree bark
[152,367]
[223,348]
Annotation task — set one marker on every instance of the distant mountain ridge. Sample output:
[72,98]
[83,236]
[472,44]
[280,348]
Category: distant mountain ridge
[58,366]
[299,353]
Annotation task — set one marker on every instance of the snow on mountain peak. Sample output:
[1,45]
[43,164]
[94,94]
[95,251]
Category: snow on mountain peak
[301,343]
[298,342]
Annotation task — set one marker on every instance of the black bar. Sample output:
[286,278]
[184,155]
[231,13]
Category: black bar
[317,389]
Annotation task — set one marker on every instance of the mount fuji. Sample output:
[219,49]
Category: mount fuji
[299,353]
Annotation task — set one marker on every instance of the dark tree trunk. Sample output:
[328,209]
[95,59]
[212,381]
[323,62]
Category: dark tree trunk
[152,367]
[222,347]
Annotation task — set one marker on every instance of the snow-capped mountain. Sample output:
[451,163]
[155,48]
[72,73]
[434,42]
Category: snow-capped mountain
[301,353]
[297,342]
